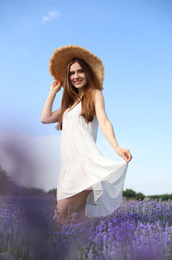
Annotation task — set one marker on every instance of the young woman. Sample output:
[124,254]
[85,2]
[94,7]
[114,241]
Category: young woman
[88,183]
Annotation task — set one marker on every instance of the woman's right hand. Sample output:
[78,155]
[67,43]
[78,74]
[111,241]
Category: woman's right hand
[56,86]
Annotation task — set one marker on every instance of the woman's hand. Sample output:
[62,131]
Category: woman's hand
[124,153]
[56,86]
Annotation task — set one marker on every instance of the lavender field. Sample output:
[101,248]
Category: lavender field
[138,230]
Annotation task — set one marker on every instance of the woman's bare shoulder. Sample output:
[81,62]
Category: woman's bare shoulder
[98,95]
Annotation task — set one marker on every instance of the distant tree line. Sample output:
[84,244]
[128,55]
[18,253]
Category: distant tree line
[9,187]
[130,194]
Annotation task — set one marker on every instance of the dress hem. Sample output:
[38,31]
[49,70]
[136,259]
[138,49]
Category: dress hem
[100,181]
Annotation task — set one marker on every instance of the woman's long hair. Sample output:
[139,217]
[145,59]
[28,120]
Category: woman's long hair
[70,93]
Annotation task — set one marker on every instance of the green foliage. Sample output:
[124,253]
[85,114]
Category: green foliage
[164,197]
[9,187]
[22,191]
[52,192]
[140,196]
[6,184]
[129,193]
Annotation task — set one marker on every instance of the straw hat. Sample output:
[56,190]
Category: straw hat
[61,57]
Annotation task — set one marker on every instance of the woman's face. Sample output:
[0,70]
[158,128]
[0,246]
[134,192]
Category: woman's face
[77,76]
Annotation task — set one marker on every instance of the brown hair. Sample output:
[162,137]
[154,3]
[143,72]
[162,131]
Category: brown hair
[70,93]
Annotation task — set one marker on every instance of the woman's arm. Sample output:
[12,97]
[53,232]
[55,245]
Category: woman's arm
[48,116]
[107,128]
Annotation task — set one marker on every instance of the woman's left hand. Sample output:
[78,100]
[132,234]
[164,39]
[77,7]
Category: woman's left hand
[124,153]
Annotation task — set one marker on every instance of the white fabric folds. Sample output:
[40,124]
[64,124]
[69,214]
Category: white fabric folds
[83,167]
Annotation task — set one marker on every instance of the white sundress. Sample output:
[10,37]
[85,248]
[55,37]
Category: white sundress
[83,167]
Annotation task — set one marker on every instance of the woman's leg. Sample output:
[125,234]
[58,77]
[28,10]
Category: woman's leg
[76,203]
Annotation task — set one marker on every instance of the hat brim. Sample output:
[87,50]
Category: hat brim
[61,57]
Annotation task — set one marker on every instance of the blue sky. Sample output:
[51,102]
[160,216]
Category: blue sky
[133,39]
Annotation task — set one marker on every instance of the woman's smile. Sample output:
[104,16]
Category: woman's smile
[78,81]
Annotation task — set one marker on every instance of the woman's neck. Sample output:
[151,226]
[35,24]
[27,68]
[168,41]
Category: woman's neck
[81,92]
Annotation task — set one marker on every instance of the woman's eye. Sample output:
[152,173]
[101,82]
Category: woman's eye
[81,71]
